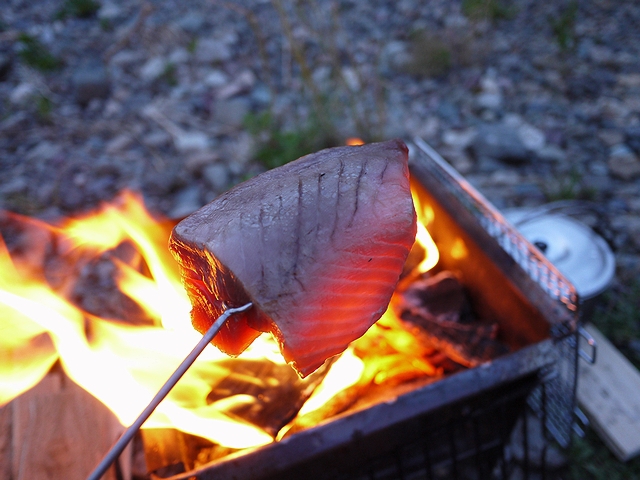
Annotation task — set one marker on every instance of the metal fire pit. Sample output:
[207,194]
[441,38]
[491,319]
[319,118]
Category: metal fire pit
[460,426]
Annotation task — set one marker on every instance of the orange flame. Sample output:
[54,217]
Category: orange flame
[124,365]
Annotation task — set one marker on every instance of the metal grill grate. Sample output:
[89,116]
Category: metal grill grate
[555,400]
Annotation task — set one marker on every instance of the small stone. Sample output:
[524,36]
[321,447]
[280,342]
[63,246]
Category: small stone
[350,76]
[156,139]
[178,56]
[118,144]
[187,201]
[242,83]
[216,78]
[459,139]
[191,141]
[551,153]
[22,93]
[217,176]
[196,161]
[532,137]
[489,100]
[191,22]
[5,66]
[124,58]
[91,81]
[611,137]
[210,50]
[43,151]
[623,163]
[109,11]
[153,69]
[500,142]
[629,80]
[232,112]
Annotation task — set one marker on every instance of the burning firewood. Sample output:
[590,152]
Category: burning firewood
[437,311]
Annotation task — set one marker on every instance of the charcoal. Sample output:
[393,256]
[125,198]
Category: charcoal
[437,310]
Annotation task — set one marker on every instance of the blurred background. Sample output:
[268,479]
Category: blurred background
[533,102]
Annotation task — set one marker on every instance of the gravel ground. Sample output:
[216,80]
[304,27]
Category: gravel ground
[531,101]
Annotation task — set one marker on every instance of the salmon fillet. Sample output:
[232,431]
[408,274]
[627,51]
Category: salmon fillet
[317,245]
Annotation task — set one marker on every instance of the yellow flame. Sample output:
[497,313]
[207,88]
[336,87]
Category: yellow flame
[124,365]
[352,141]
[121,365]
[425,216]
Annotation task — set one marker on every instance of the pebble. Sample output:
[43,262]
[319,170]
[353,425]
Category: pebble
[191,141]
[217,176]
[623,163]
[500,142]
[153,69]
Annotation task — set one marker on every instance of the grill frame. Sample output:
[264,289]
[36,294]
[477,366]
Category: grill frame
[402,438]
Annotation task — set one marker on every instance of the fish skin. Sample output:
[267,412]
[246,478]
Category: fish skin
[317,245]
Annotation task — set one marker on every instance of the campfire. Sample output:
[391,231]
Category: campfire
[100,298]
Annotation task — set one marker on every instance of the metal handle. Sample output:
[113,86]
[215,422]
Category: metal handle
[129,433]
[591,359]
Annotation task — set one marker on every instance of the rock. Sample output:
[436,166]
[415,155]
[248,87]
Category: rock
[186,202]
[551,153]
[5,66]
[43,151]
[460,139]
[191,141]
[242,83]
[623,163]
[156,139]
[394,57]
[232,112]
[488,100]
[22,93]
[611,137]
[178,56]
[119,143]
[191,22]
[109,11]
[216,78]
[532,137]
[217,176]
[500,142]
[153,69]
[629,80]
[91,81]
[197,161]
[632,136]
[210,50]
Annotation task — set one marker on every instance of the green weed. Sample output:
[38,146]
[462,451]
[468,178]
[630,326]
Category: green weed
[78,9]
[568,187]
[618,317]
[36,55]
[563,26]
[44,107]
[590,459]
[277,145]
[487,10]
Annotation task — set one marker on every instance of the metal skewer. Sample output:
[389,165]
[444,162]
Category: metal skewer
[129,433]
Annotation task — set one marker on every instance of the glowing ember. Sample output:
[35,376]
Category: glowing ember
[123,365]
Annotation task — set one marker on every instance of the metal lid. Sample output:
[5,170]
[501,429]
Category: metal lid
[576,250]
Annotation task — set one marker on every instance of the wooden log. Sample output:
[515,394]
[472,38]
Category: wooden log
[57,430]
[609,393]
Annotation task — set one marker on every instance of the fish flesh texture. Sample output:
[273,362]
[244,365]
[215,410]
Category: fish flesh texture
[316,245]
